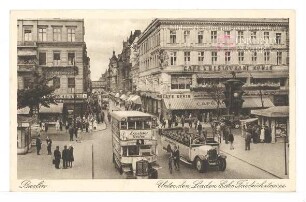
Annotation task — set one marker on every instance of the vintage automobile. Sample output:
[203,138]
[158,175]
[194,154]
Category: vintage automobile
[195,151]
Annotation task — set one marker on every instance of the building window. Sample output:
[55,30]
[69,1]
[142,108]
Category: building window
[42,58]
[56,58]
[71,58]
[27,35]
[240,36]
[181,81]
[172,36]
[254,56]
[42,34]
[201,57]
[57,34]
[200,36]
[186,36]
[279,58]
[187,58]
[253,35]
[240,56]
[71,83]
[173,58]
[266,36]
[213,37]
[214,57]
[71,34]
[56,82]
[267,56]
[227,57]
[278,38]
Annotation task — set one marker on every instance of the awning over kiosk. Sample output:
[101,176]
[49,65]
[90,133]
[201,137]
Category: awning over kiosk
[178,104]
[255,102]
[276,112]
[53,109]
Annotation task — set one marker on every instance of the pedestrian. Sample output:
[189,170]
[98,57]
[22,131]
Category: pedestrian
[176,158]
[75,130]
[61,125]
[86,126]
[218,132]
[170,162]
[38,144]
[46,127]
[95,125]
[71,128]
[262,134]
[57,125]
[70,156]
[109,117]
[231,140]
[248,138]
[42,126]
[183,120]
[65,156]
[67,126]
[102,116]
[49,145]
[57,157]
[226,133]
[199,128]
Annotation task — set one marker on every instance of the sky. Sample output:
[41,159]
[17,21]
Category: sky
[102,36]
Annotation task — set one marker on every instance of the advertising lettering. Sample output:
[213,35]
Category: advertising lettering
[135,134]
[218,68]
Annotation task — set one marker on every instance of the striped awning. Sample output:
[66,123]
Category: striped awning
[179,104]
[53,109]
[276,112]
[255,102]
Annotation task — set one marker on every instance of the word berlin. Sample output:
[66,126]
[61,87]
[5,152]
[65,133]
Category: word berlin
[217,68]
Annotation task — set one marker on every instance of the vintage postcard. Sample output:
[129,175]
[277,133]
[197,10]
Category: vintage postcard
[152,100]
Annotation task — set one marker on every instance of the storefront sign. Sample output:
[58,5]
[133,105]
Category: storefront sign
[219,68]
[71,96]
[167,96]
[58,71]
[135,134]
[206,103]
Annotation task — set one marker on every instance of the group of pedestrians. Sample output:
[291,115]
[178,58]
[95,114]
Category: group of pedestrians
[66,155]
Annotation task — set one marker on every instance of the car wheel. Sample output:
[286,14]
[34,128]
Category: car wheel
[222,164]
[199,164]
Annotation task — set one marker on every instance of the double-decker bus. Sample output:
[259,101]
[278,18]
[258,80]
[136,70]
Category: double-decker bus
[134,144]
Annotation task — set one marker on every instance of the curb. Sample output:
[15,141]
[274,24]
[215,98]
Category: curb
[252,165]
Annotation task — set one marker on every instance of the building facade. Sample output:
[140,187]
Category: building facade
[56,48]
[179,55]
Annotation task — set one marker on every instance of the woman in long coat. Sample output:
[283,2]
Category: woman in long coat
[70,156]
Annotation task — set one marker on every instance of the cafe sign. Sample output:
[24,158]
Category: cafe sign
[135,134]
[229,68]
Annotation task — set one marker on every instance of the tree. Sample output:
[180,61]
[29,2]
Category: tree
[38,93]
[216,92]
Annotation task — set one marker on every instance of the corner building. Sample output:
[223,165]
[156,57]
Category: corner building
[177,55]
[55,47]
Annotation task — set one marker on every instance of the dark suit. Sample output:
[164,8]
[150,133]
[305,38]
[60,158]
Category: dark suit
[176,159]
[65,157]
[38,145]
[57,158]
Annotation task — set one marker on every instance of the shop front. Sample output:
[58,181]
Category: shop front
[51,114]
[24,131]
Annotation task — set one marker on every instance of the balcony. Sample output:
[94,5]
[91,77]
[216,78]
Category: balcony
[26,44]
[262,86]
[206,87]
[26,67]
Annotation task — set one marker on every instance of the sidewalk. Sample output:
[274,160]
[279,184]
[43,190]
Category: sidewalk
[266,156]
[33,166]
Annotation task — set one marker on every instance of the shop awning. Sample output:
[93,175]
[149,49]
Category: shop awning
[255,102]
[276,112]
[136,100]
[179,104]
[24,111]
[53,109]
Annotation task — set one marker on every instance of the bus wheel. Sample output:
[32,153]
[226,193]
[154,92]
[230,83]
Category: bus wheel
[120,170]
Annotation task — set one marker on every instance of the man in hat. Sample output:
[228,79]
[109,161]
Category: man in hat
[49,145]
[65,157]
[38,144]
[57,157]
[176,158]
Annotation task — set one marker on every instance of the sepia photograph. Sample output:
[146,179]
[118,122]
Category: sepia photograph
[158,101]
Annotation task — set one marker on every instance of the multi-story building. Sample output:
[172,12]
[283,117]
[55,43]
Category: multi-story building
[55,47]
[178,55]
[112,74]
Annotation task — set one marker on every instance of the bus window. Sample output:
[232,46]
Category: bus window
[131,125]
[139,125]
[124,151]
[133,150]
[147,125]
[145,150]
[123,125]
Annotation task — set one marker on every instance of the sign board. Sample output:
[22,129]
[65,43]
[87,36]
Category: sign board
[228,68]
[135,134]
